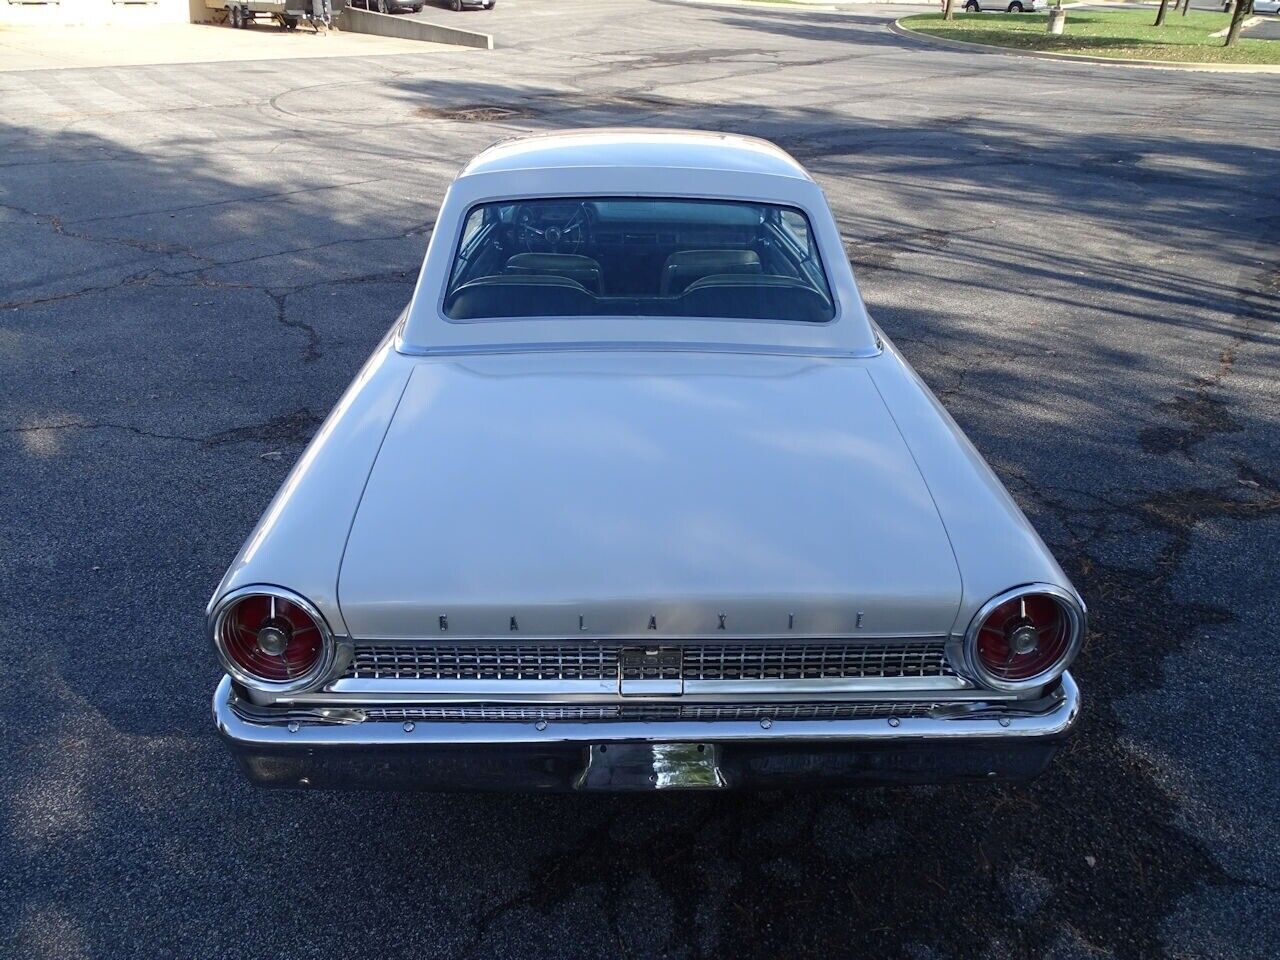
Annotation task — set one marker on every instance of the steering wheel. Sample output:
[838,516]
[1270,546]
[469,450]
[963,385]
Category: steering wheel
[565,237]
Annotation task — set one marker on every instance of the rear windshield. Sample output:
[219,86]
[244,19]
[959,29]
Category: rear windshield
[589,257]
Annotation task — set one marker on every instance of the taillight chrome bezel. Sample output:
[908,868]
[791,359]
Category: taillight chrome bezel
[1077,618]
[313,678]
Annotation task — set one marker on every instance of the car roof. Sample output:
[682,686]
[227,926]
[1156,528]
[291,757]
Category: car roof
[631,147]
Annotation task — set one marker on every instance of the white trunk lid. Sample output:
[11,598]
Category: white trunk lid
[647,496]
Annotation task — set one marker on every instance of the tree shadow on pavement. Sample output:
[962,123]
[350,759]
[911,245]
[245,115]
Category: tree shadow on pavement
[171,347]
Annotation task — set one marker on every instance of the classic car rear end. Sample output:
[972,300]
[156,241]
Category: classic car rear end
[635,496]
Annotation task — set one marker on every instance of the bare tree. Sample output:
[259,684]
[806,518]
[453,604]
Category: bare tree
[947,12]
[1242,10]
[1162,13]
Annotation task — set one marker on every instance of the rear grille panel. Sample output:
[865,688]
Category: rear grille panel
[690,661]
[505,662]
[815,661]
[526,713]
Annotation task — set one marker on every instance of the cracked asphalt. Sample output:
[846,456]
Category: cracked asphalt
[1081,261]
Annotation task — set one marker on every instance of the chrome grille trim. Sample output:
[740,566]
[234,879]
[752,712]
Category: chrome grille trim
[803,711]
[649,711]
[810,661]
[422,661]
[694,661]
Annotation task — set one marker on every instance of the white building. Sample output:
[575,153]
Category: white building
[100,12]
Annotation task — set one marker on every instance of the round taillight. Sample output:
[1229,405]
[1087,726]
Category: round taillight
[1025,637]
[273,641]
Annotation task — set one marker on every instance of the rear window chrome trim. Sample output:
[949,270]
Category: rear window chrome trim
[831,292]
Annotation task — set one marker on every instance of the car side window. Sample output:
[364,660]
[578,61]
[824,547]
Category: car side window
[797,226]
[472,225]
[475,220]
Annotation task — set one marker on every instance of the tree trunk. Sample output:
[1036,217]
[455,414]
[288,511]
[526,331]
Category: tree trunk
[1186,5]
[1162,13]
[1242,10]
[947,12]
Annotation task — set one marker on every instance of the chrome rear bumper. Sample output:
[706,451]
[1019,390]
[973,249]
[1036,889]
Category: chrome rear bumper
[306,749]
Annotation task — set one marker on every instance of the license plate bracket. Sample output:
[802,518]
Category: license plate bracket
[652,766]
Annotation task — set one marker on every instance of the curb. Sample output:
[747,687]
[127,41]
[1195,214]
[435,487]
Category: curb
[805,6]
[385,25]
[907,32]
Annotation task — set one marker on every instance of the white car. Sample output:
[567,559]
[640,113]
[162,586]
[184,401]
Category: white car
[1266,6]
[636,495]
[1000,6]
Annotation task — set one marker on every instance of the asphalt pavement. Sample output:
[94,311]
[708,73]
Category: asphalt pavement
[1267,28]
[1080,260]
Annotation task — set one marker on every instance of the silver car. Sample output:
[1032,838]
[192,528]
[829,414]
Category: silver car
[635,495]
[1016,6]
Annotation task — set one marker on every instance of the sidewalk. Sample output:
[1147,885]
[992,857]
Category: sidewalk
[52,47]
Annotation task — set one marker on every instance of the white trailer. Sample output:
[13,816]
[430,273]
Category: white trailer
[286,13]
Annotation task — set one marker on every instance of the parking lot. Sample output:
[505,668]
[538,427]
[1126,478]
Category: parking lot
[1079,260]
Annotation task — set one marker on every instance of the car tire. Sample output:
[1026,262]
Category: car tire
[972,7]
[457,6]
[1014,7]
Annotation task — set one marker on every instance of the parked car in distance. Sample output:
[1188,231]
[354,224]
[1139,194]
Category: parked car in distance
[387,6]
[1017,6]
[1265,6]
[635,495]
[458,5]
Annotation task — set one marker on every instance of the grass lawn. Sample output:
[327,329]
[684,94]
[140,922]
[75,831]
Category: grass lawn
[1123,34]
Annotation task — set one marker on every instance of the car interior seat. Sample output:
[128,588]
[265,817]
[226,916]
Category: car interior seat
[519,295]
[760,297]
[685,266]
[582,269]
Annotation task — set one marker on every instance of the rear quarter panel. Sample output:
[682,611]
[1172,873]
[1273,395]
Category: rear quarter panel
[995,546]
[299,540]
